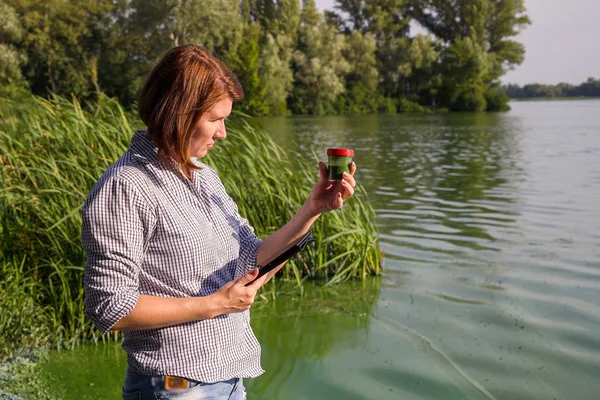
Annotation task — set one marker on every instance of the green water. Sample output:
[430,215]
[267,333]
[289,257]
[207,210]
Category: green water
[491,230]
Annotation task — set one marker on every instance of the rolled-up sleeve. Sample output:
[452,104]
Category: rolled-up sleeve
[115,225]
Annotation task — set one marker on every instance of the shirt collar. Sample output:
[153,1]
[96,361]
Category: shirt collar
[144,149]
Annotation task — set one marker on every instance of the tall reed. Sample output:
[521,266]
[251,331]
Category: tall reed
[51,156]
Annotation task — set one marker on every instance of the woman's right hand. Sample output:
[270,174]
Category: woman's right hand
[235,296]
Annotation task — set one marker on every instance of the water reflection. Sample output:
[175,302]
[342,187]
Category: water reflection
[85,373]
[298,331]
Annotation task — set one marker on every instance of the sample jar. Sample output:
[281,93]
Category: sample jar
[339,162]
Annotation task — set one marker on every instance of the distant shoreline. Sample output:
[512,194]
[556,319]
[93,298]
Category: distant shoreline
[553,98]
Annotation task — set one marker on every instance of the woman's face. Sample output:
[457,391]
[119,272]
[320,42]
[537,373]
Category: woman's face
[210,128]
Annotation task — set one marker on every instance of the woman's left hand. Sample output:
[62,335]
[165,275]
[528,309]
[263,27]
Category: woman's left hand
[329,195]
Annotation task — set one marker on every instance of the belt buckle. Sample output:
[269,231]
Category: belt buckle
[175,382]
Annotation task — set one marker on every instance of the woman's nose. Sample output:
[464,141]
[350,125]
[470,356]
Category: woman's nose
[221,132]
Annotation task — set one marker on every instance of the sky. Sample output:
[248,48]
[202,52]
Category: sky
[562,44]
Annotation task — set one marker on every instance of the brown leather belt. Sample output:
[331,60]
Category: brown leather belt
[175,382]
[169,382]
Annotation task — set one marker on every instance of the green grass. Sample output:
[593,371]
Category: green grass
[51,153]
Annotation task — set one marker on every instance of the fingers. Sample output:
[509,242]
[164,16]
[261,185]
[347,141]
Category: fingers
[339,201]
[249,277]
[352,168]
[349,178]
[257,284]
[347,187]
[323,172]
[238,296]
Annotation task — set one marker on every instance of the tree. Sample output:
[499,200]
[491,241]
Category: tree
[506,18]
[475,34]
[450,20]
[277,17]
[279,20]
[309,15]
[318,64]
[59,37]
[361,93]
[275,72]
[466,68]
[130,48]
[143,30]
[388,23]
[424,77]
[589,88]
[245,63]
[215,25]
[11,32]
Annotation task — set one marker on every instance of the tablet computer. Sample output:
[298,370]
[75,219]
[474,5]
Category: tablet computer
[291,251]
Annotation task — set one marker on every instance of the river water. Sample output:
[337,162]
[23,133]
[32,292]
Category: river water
[490,225]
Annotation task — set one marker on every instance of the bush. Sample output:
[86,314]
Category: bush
[469,98]
[409,106]
[387,106]
[24,321]
[497,100]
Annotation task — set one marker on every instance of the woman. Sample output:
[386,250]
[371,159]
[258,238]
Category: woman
[168,256]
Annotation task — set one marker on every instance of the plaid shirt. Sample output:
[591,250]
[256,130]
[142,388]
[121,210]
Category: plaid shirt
[147,229]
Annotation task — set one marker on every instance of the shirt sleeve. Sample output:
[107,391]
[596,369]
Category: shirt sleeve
[115,223]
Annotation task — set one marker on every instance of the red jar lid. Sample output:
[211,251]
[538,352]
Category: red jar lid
[340,152]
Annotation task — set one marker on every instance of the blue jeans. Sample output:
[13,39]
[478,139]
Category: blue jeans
[147,387]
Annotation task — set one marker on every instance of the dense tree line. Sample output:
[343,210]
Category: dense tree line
[590,88]
[359,58]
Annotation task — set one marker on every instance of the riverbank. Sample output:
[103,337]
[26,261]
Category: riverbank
[19,379]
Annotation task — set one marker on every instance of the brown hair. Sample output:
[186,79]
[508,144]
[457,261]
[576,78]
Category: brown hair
[186,83]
